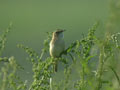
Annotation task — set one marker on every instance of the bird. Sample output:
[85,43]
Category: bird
[57,46]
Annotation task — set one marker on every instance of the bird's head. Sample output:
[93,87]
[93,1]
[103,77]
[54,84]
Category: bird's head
[58,34]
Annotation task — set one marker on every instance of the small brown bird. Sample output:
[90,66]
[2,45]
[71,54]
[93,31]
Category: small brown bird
[57,45]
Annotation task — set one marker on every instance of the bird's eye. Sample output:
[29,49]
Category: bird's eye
[57,32]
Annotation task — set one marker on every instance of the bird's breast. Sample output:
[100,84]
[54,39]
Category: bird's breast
[56,48]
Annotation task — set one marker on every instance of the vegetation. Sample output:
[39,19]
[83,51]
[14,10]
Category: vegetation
[93,61]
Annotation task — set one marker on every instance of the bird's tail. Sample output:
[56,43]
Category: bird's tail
[55,66]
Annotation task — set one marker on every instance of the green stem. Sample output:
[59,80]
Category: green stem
[118,79]
[100,69]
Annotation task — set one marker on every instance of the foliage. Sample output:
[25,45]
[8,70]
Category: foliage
[92,59]
[9,80]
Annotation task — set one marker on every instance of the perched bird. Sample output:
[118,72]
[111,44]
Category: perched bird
[57,46]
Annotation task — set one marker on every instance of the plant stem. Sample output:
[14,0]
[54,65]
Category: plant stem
[100,69]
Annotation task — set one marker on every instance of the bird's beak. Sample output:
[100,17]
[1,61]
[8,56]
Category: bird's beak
[63,30]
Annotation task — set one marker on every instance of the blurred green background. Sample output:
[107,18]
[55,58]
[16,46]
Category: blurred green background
[33,18]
